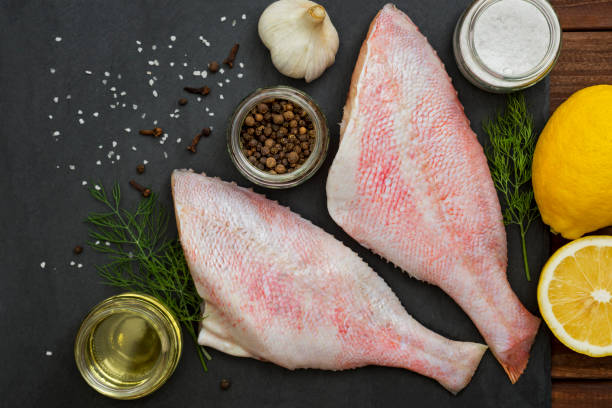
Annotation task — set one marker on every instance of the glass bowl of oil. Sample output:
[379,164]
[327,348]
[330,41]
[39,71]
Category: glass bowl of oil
[128,346]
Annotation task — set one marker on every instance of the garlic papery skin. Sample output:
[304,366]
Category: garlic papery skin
[300,36]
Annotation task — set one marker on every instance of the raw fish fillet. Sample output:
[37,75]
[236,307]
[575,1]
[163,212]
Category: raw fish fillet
[410,182]
[280,289]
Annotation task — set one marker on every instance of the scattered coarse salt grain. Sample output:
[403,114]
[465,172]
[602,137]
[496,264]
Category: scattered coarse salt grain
[81,121]
[83,183]
[52,70]
[56,133]
[173,38]
[79,112]
[79,265]
[155,93]
[97,187]
[156,62]
[72,167]
[178,140]
[123,93]
[169,45]
[43,264]
[171,63]
[114,143]
[221,96]
[227,80]
[211,114]
[107,243]
[199,99]
[180,77]
[88,72]
[58,39]
[55,99]
[165,155]
[104,82]
[72,263]
[243,16]
[221,71]
[112,106]
[113,89]
[151,82]
[223,18]
[220,84]
[151,62]
[118,157]
[138,42]
[233,23]
[154,47]
[144,115]
[241,65]
[48,353]
[185,64]
[100,146]
[118,76]
[95,114]
[139,49]
[206,109]
[134,106]
[50,116]
[128,130]
[197,73]
[106,74]
[204,74]
[134,148]
[240,75]
[68,96]
[145,162]
[98,163]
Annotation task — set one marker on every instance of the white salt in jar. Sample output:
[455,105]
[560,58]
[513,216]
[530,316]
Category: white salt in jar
[507,45]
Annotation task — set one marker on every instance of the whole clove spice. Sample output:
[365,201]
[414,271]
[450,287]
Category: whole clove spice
[229,61]
[196,139]
[146,192]
[213,67]
[140,168]
[198,91]
[182,101]
[155,132]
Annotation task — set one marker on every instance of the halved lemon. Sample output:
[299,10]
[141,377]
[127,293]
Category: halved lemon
[575,295]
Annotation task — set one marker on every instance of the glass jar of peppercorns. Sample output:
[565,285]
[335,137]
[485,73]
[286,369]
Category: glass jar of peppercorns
[278,137]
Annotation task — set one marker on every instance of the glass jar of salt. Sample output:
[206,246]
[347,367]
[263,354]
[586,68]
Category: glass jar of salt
[507,45]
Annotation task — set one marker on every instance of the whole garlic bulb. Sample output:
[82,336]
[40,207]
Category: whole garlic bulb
[300,36]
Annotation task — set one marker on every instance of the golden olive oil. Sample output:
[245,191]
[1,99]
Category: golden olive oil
[125,349]
[128,346]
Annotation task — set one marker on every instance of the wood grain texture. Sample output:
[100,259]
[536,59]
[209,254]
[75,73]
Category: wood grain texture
[581,394]
[583,15]
[586,59]
[567,364]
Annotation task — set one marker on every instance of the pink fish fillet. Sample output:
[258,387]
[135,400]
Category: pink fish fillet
[410,182]
[280,289]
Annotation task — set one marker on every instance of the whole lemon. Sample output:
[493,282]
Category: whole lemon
[572,164]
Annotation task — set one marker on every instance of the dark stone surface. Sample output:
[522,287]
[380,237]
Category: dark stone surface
[43,206]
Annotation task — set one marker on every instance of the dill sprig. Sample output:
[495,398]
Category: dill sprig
[510,157]
[143,259]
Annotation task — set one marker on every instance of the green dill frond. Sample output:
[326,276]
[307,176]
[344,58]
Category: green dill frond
[510,156]
[142,258]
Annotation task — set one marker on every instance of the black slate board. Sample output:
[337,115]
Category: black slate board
[44,202]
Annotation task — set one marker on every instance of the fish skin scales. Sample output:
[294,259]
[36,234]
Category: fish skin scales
[280,289]
[410,181]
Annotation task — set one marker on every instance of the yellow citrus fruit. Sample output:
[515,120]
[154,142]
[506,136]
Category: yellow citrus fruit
[572,164]
[575,295]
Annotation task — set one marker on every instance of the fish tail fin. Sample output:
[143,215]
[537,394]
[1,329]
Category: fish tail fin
[466,358]
[514,360]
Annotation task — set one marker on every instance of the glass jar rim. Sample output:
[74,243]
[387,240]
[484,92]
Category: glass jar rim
[152,309]
[469,62]
[304,171]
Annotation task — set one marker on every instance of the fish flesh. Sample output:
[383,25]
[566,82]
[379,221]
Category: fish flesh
[410,182]
[278,288]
